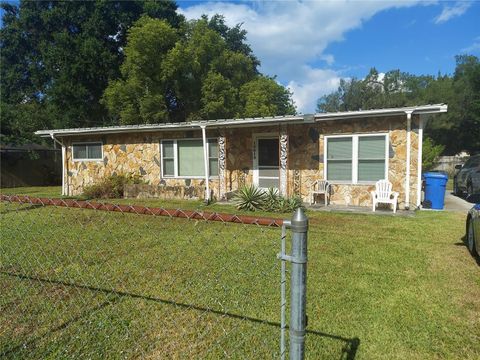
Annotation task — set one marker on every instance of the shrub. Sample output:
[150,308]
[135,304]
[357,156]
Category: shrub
[430,154]
[250,198]
[111,187]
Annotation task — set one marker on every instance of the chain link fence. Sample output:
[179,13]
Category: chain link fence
[91,280]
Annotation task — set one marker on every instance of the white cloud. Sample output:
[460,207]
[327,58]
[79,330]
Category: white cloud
[289,36]
[313,84]
[475,47]
[449,12]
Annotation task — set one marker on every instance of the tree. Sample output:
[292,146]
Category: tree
[192,73]
[264,97]
[58,57]
[430,154]
[457,130]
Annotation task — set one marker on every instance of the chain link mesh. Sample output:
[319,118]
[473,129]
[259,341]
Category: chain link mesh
[136,282]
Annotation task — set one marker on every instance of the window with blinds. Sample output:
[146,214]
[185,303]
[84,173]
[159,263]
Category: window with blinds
[339,159]
[357,158]
[371,158]
[87,151]
[184,158]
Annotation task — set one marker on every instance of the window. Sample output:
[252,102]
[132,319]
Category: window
[339,159]
[184,158]
[356,159]
[87,151]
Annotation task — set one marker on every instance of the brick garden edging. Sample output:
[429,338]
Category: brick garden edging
[137,209]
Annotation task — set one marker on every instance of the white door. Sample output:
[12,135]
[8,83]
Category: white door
[266,162]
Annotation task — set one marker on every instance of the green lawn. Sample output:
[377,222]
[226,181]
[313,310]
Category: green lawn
[90,284]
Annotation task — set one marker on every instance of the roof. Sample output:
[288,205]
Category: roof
[247,122]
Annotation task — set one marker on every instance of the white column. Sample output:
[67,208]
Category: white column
[205,162]
[221,166]
[283,160]
[419,161]
[56,141]
[407,180]
[64,192]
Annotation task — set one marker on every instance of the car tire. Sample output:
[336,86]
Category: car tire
[469,189]
[471,239]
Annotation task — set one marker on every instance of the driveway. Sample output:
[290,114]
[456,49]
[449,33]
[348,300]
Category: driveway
[455,203]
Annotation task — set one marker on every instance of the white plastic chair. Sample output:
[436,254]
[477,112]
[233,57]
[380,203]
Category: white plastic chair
[320,187]
[383,194]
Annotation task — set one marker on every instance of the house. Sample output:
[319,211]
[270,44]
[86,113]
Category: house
[352,150]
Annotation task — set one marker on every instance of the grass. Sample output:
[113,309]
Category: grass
[89,284]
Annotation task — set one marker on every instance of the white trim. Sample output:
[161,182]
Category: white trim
[255,138]
[419,161]
[100,159]
[175,159]
[355,142]
[248,122]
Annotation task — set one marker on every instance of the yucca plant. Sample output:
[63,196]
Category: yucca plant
[271,199]
[250,198]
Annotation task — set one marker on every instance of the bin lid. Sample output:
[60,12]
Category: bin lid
[435,175]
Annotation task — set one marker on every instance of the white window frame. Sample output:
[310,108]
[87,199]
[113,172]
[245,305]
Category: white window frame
[100,159]
[355,138]
[175,159]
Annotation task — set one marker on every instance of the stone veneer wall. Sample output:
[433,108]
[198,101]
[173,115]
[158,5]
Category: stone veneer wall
[140,154]
[306,158]
[132,154]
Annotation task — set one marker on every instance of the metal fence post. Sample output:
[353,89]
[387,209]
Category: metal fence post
[298,285]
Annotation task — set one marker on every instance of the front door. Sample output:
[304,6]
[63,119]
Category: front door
[266,162]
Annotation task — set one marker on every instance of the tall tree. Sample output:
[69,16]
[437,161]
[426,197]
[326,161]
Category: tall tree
[195,73]
[58,57]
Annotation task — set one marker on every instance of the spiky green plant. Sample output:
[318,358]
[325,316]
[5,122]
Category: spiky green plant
[250,198]
[271,200]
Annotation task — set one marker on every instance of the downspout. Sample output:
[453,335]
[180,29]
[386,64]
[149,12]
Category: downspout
[407,180]
[63,162]
[205,159]
[419,161]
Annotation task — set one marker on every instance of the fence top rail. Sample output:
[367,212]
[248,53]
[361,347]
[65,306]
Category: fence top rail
[144,210]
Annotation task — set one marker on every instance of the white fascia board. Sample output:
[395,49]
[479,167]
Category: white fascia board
[424,109]
[249,122]
[209,124]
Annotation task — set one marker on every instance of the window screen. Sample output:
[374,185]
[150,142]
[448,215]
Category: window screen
[213,157]
[371,158]
[168,158]
[339,159]
[87,151]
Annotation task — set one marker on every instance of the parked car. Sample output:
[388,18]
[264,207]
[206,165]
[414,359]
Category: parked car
[473,230]
[467,179]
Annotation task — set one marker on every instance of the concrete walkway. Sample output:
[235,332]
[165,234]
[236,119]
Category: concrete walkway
[455,203]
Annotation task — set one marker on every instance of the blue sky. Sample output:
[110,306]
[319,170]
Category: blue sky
[310,45]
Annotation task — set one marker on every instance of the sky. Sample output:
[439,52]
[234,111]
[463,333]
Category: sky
[310,45]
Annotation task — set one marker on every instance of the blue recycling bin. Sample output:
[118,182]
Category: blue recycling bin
[435,185]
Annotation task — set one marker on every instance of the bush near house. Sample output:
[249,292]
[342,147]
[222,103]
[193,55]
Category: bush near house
[111,187]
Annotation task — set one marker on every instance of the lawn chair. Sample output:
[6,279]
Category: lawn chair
[383,194]
[320,187]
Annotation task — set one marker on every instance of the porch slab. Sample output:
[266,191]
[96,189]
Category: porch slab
[359,210]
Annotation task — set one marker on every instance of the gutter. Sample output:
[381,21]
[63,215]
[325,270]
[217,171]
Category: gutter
[407,176]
